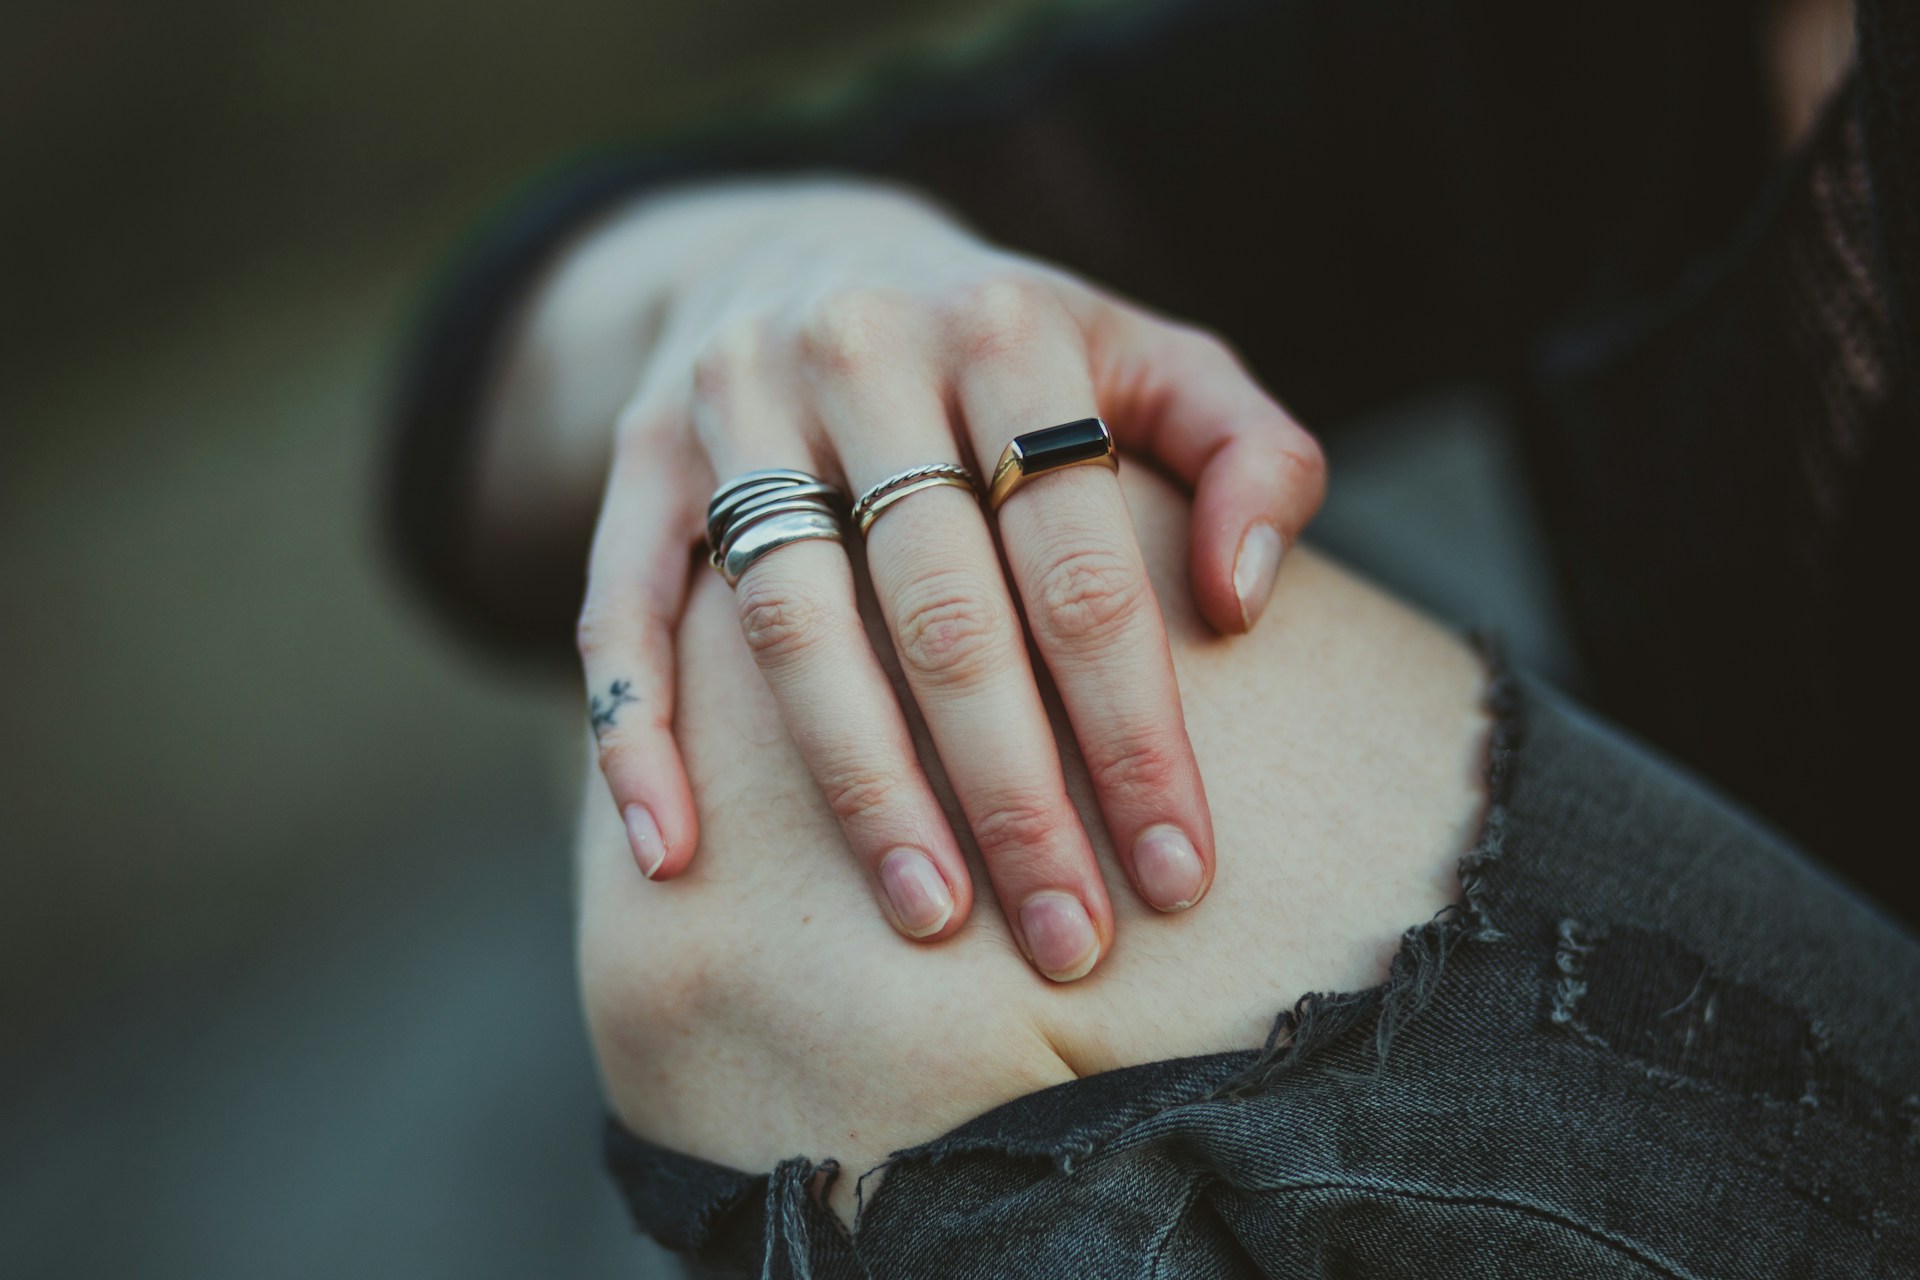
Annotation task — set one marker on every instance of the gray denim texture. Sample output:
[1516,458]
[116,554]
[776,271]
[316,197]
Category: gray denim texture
[1651,1040]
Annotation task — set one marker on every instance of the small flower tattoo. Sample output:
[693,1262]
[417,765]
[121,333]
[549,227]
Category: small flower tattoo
[602,711]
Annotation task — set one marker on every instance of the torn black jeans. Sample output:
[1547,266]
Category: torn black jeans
[1651,1040]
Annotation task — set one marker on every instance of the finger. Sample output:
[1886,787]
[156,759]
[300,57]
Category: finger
[958,639]
[800,617]
[1089,605]
[636,586]
[1181,396]
[946,606]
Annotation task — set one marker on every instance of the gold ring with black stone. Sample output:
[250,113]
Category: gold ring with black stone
[1071,444]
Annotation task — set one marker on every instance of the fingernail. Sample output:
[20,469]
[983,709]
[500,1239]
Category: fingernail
[1059,935]
[1255,568]
[918,892]
[1167,868]
[643,833]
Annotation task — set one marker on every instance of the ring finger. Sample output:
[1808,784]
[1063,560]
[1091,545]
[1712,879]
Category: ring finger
[954,627]
[799,614]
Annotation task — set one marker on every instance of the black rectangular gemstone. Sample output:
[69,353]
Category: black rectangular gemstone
[1062,446]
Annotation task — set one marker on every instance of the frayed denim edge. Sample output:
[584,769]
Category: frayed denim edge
[1319,1018]
[1414,976]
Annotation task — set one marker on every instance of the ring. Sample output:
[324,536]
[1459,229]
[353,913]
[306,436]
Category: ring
[763,511]
[1071,444]
[912,480]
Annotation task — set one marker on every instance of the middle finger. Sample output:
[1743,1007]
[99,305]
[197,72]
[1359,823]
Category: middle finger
[954,627]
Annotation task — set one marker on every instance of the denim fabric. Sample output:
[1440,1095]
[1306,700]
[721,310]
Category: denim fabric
[1652,1040]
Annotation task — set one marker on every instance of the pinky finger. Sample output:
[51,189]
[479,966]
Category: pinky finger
[636,585]
[1182,396]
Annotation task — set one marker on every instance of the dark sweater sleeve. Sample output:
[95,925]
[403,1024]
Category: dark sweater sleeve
[1073,146]
[1354,193]
[1291,174]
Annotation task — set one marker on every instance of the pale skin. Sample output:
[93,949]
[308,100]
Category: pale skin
[855,331]
[758,1008]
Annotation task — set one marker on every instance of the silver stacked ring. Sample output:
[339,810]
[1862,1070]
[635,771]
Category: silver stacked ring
[763,511]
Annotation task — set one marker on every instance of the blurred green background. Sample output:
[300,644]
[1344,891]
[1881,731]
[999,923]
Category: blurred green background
[285,982]
[218,220]
[285,970]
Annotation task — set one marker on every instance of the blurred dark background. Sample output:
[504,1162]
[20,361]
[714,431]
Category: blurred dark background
[285,969]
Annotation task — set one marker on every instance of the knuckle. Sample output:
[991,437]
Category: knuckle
[1088,596]
[644,427]
[615,756]
[1306,460]
[1003,311]
[1016,826]
[1202,352]
[1132,764]
[859,792]
[1298,469]
[729,358]
[948,631]
[850,330]
[779,622]
[618,743]
[590,631]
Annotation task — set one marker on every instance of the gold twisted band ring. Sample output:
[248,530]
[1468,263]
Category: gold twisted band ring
[910,481]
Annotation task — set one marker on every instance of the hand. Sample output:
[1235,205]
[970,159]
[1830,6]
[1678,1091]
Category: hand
[853,334]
